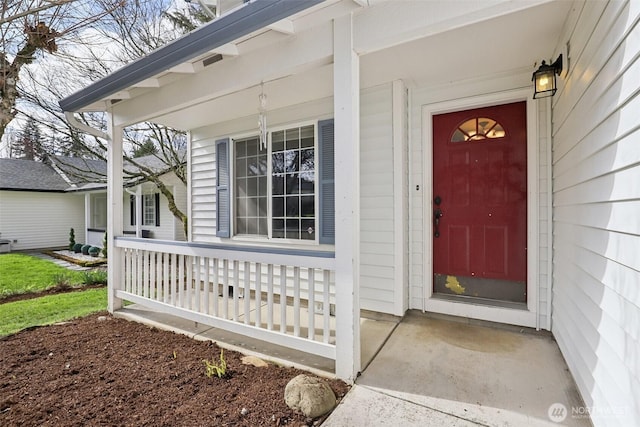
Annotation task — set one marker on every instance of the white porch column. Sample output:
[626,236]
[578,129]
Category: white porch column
[87,216]
[346,92]
[114,211]
[139,212]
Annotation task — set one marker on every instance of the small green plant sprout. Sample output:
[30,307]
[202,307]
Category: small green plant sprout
[212,368]
[62,281]
[94,277]
[72,239]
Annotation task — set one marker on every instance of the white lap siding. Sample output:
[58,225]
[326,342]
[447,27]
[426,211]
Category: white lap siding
[596,182]
[377,255]
[40,220]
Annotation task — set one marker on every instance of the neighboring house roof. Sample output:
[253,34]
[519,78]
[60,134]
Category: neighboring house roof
[251,17]
[29,175]
[67,173]
[80,172]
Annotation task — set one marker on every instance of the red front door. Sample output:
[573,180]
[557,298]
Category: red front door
[480,203]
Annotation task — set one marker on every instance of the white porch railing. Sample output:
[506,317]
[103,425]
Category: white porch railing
[282,296]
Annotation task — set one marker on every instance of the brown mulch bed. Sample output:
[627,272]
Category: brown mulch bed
[107,371]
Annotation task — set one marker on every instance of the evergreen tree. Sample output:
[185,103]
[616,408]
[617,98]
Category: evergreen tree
[145,149]
[29,144]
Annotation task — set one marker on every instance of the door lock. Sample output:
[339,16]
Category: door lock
[437,214]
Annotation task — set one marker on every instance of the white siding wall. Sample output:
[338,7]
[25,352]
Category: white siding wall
[376,201]
[596,180]
[40,220]
[419,182]
[377,222]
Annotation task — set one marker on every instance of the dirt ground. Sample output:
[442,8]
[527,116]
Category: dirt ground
[100,370]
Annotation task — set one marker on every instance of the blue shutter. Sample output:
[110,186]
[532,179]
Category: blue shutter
[327,214]
[223,204]
[157,206]
[132,209]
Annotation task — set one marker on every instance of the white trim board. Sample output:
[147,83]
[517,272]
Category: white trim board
[530,316]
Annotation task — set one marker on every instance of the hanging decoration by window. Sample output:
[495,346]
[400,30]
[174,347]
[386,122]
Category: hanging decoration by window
[262,117]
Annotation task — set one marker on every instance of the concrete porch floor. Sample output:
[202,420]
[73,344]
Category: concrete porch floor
[443,371]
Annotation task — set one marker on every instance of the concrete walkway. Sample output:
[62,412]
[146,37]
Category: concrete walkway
[60,262]
[436,372]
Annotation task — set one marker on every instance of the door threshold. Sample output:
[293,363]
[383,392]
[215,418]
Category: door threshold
[464,299]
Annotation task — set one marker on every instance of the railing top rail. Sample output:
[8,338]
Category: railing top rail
[269,255]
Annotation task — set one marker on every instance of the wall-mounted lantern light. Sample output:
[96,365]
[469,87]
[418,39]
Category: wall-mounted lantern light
[544,79]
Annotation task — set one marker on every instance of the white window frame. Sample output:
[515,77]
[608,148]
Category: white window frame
[96,212]
[233,189]
[152,197]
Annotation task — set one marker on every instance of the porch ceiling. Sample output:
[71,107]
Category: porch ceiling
[458,45]
[509,44]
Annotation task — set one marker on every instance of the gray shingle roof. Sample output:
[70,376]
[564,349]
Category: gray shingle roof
[79,173]
[29,175]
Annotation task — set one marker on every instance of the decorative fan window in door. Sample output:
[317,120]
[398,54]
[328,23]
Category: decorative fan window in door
[478,129]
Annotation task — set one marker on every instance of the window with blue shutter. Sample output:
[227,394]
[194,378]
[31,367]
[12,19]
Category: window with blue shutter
[326,178]
[223,204]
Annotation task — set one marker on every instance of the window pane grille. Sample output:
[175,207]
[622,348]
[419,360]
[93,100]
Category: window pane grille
[149,209]
[251,188]
[293,183]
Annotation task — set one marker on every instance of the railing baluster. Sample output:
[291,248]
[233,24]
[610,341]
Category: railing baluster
[166,280]
[258,295]
[129,268]
[206,286]
[158,277]
[188,266]
[181,261]
[326,305]
[270,297]
[215,291]
[311,304]
[145,273]
[296,301]
[247,292]
[174,278]
[225,289]
[139,284]
[236,289]
[283,299]
[196,283]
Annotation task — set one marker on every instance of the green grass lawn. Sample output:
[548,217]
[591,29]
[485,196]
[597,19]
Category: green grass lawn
[20,273]
[15,316]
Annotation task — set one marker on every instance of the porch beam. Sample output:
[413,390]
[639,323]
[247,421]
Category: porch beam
[114,212]
[229,49]
[284,26]
[346,81]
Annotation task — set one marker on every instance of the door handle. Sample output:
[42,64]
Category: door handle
[437,214]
